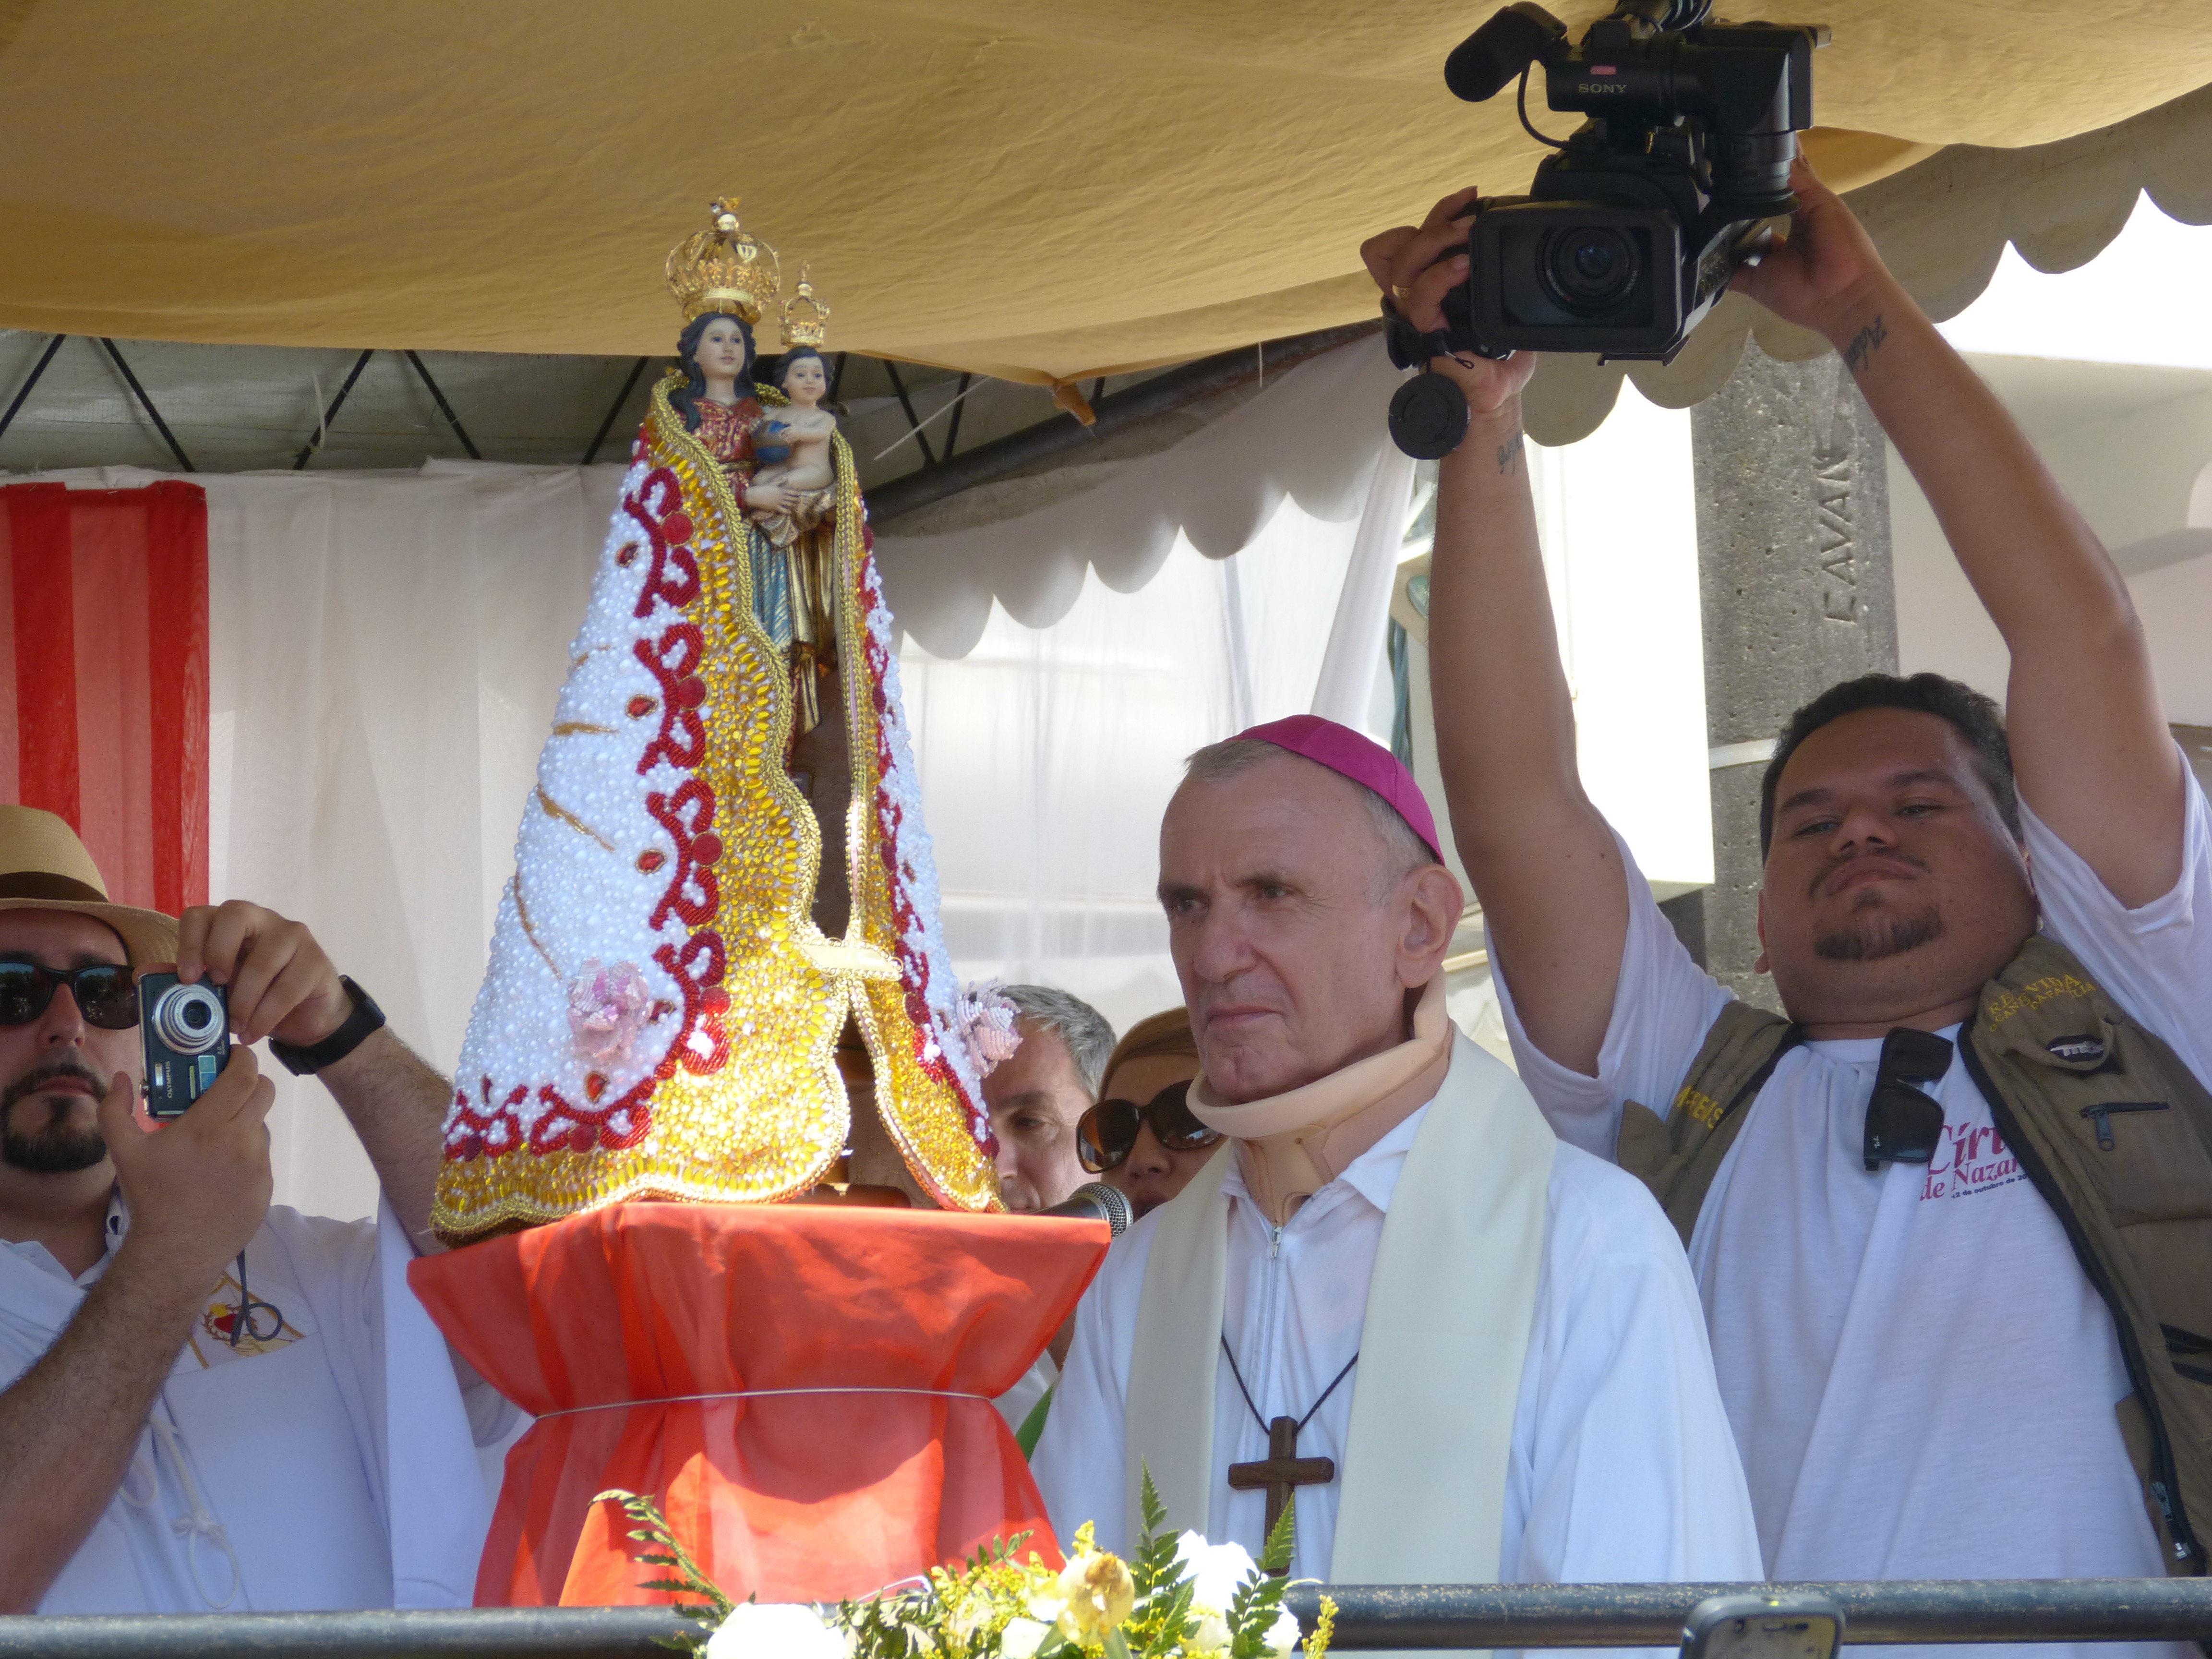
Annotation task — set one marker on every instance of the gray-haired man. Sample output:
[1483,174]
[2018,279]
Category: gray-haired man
[1037,1097]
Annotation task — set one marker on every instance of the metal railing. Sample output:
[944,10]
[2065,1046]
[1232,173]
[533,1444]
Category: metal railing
[1375,1617]
[1369,1617]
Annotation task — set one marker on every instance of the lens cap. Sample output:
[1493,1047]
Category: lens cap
[1428,417]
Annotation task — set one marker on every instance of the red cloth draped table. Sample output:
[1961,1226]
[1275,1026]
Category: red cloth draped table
[654,1343]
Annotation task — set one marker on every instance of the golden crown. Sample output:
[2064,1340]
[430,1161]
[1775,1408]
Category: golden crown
[810,327]
[724,268]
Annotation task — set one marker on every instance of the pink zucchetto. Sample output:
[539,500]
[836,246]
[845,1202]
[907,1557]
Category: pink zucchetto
[1348,754]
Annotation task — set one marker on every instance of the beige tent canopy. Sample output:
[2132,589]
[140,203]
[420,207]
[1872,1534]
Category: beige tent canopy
[1026,190]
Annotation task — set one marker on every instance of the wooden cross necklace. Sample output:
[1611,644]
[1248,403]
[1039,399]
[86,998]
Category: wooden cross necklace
[1282,1471]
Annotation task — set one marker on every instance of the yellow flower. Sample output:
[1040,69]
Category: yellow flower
[1100,1595]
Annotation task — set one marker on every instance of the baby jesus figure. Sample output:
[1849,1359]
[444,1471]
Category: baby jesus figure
[794,442]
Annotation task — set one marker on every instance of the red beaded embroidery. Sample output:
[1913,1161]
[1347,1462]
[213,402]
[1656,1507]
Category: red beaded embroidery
[686,813]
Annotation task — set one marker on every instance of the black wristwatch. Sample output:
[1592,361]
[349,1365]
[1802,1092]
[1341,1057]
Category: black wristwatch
[306,1061]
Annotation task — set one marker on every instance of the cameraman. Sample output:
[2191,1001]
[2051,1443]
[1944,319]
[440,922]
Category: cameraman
[1927,1379]
[205,1403]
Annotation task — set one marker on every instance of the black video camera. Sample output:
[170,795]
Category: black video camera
[1628,236]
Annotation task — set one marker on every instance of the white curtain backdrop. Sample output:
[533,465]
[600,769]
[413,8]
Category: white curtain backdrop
[1047,754]
[386,650]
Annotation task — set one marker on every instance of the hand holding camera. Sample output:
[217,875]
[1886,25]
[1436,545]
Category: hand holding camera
[241,970]
[276,978]
[1824,274]
[1418,267]
[1632,230]
[199,1188]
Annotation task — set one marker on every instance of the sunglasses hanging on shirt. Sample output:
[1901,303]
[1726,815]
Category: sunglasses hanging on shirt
[1904,1124]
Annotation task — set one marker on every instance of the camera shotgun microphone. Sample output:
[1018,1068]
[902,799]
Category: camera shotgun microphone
[1095,1200]
[1493,57]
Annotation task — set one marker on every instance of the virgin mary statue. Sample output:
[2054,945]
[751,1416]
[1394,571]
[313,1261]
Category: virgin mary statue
[722,871]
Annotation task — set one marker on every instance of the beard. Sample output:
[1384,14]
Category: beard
[1880,934]
[58,1146]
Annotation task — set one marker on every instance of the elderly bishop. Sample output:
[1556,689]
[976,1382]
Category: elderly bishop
[1465,1350]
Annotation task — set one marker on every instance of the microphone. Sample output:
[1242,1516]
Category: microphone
[1492,57]
[1095,1200]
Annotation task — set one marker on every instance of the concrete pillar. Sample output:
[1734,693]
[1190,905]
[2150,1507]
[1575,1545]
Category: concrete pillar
[1794,575]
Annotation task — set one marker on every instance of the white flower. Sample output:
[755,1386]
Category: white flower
[1100,1593]
[1213,1634]
[1283,1635]
[1048,1607]
[776,1630]
[1215,1571]
[1022,1637]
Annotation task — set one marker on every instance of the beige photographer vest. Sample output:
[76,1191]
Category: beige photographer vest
[2110,1128]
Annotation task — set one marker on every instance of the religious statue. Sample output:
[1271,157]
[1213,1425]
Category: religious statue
[724,906]
[796,443]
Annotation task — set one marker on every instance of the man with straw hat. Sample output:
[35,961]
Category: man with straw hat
[197,1390]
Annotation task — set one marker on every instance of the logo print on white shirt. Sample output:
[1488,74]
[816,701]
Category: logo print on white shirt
[1972,1157]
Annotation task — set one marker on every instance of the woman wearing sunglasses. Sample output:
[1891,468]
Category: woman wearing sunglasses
[1141,1138]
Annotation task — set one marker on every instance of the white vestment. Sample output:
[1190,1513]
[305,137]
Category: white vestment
[1621,1467]
[326,1461]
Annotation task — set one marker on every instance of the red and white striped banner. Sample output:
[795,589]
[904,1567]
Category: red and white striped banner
[104,677]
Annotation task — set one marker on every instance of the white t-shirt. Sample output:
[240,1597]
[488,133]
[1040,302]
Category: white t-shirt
[1921,1377]
[325,1460]
[1622,1469]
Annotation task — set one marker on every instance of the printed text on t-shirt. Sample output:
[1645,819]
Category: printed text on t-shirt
[1972,1157]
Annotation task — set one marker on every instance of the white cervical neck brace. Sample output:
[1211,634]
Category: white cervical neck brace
[1291,1146]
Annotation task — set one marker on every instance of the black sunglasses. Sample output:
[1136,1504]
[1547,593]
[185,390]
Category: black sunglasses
[106,993]
[1108,1132]
[1904,1124]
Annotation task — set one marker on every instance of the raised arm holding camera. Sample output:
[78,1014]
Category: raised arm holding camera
[1951,1218]
[197,1387]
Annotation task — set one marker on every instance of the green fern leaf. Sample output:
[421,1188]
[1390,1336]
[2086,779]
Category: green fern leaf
[1155,1512]
[1281,1542]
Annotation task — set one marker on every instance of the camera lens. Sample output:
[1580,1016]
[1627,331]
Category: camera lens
[189,1017]
[1590,269]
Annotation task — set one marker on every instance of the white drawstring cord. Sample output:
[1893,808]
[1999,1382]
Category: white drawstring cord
[200,1523]
[142,1462]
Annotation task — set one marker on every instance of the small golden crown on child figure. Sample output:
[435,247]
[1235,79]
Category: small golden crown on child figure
[810,327]
[724,268]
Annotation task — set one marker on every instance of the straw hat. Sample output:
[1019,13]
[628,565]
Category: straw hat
[44,866]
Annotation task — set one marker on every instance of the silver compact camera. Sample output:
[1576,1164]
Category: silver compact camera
[186,1032]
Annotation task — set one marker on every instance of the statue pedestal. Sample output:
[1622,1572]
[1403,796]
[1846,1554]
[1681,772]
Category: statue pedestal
[804,1389]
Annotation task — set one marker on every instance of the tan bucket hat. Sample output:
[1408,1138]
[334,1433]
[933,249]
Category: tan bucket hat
[44,866]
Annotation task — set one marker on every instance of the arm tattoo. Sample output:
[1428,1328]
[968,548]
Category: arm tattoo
[1508,453]
[1864,344]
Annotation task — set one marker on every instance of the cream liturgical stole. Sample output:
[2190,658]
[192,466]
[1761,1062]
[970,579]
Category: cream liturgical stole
[1446,1330]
